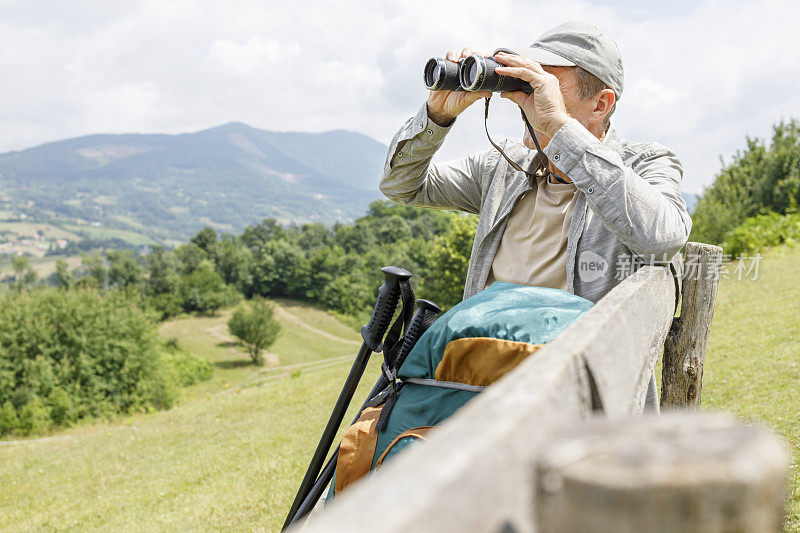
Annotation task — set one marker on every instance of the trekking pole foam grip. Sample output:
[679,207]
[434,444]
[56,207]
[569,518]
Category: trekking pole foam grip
[385,306]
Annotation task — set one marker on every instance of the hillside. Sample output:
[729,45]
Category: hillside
[164,188]
[170,186]
[231,457]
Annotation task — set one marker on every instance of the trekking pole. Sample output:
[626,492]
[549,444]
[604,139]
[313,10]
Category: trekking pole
[424,315]
[372,333]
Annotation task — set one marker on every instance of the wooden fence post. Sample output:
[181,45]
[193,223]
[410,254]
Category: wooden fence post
[686,342]
[674,473]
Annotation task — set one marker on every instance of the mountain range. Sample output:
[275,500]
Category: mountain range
[172,185]
[167,187]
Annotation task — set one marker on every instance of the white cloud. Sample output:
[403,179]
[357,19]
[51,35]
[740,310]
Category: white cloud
[700,75]
[256,53]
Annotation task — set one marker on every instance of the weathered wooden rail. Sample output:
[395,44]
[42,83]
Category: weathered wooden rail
[558,444]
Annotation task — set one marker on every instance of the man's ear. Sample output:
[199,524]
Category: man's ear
[603,105]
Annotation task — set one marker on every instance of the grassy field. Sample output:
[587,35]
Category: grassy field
[44,266]
[14,230]
[753,362]
[231,455]
[102,233]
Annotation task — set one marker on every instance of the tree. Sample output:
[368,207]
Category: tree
[760,179]
[235,265]
[63,277]
[95,268]
[24,275]
[206,240]
[189,257]
[162,272]
[123,271]
[255,326]
[447,271]
[255,237]
[203,290]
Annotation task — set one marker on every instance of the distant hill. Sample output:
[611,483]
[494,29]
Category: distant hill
[167,187]
[172,185]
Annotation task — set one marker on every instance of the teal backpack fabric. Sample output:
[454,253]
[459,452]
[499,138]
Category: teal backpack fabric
[533,315]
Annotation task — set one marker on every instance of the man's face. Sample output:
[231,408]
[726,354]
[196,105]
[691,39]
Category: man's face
[576,107]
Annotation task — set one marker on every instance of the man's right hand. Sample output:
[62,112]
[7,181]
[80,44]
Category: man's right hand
[445,106]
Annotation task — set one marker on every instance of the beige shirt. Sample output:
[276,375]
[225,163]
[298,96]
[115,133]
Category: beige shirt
[533,248]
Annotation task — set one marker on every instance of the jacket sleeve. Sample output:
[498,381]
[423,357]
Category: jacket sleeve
[641,204]
[409,177]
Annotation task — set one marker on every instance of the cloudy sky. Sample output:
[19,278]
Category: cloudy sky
[700,76]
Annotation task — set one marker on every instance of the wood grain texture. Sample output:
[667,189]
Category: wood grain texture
[686,343]
[681,472]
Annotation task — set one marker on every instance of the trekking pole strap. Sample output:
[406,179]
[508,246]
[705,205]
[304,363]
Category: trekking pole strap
[394,338]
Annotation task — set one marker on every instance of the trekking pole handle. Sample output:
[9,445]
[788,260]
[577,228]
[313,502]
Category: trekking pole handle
[424,311]
[388,298]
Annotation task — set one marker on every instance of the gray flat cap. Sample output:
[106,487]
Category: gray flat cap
[579,44]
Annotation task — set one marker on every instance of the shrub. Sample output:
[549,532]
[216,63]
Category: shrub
[34,417]
[9,420]
[77,353]
[759,232]
[186,368]
[167,305]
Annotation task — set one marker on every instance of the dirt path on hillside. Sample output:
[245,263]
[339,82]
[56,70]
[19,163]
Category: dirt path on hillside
[297,321]
[220,332]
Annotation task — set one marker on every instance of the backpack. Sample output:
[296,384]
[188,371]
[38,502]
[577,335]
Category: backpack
[465,350]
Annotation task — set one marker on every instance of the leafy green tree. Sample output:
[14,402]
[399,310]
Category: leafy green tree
[450,255]
[162,283]
[162,272]
[288,260]
[255,326]
[314,236]
[256,237]
[760,179]
[235,264]
[24,275]
[203,290]
[95,268]
[63,277]
[356,238]
[324,265]
[393,229]
[349,294]
[19,263]
[206,240]
[189,257]
[123,270]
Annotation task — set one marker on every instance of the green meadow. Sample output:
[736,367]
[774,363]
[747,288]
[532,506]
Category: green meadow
[231,454]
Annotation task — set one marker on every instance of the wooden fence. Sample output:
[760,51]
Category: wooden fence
[558,444]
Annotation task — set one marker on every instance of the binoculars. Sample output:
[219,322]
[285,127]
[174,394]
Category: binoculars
[473,73]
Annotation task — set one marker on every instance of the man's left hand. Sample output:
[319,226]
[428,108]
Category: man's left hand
[545,107]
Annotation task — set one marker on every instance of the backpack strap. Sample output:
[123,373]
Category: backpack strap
[420,433]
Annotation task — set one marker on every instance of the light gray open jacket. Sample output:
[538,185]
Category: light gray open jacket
[629,205]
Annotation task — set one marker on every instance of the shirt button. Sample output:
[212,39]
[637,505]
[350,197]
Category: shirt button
[430,132]
[556,157]
[399,154]
[590,190]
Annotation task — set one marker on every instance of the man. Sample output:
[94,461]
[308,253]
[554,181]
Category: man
[580,219]
[597,208]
